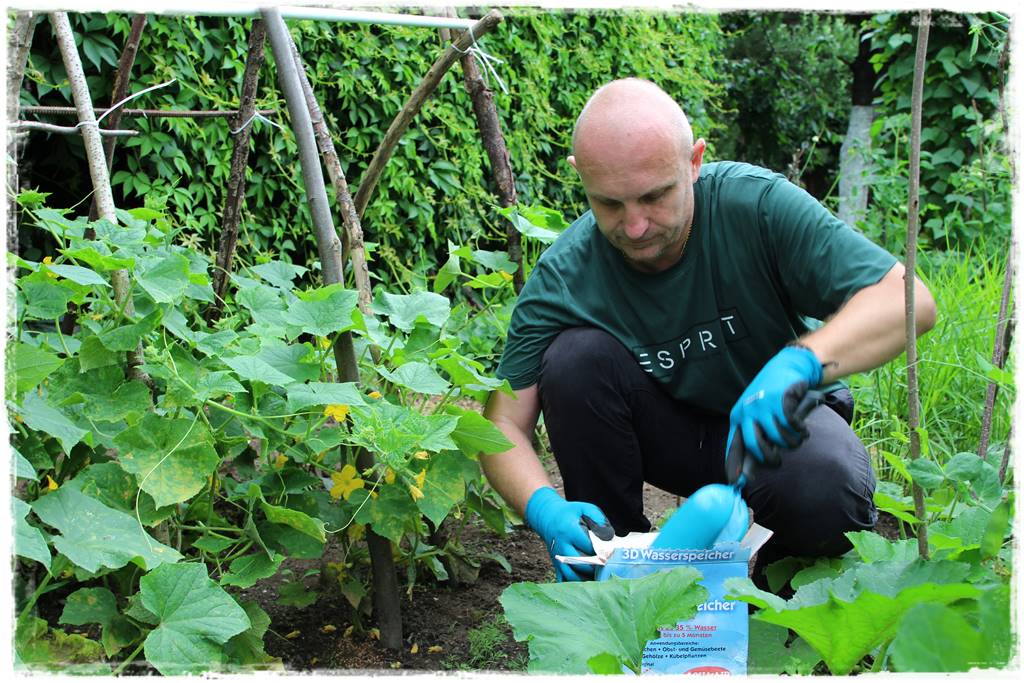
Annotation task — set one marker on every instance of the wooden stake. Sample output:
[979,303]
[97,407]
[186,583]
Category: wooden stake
[97,169]
[415,103]
[914,209]
[1000,349]
[494,144]
[352,237]
[385,584]
[232,215]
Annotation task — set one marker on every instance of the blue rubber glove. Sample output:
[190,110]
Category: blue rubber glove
[560,523]
[769,400]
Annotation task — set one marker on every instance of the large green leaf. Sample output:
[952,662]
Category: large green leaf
[163,277]
[403,310]
[847,617]
[94,536]
[42,417]
[129,402]
[197,617]
[443,486]
[301,396]
[300,521]
[127,337]
[476,434]
[768,653]
[279,273]
[298,361]
[568,624]
[925,473]
[32,365]
[170,458]
[418,377]
[23,468]
[46,299]
[78,274]
[93,354]
[28,540]
[97,260]
[322,311]
[256,369]
[265,305]
[934,637]
[389,514]
[245,571]
[112,486]
[872,547]
[38,646]
[246,648]
[89,606]
[394,432]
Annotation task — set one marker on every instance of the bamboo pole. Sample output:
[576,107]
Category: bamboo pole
[913,416]
[494,145]
[415,103]
[19,42]
[123,79]
[352,237]
[385,583]
[232,215]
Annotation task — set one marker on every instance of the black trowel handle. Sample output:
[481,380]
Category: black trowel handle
[739,468]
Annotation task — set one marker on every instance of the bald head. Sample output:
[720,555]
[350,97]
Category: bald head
[627,111]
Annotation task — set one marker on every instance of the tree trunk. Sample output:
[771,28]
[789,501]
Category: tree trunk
[236,179]
[18,43]
[855,153]
[914,209]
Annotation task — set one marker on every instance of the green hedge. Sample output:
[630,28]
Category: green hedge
[436,187]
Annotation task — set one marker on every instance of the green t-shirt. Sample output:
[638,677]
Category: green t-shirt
[763,254]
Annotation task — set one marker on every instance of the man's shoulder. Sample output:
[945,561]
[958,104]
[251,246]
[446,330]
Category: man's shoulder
[573,244]
[732,173]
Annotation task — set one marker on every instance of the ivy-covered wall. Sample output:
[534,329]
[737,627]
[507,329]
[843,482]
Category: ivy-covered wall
[436,187]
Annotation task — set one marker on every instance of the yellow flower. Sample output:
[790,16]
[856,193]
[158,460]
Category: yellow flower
[328,628]
[414,649]
[505,276]
[434,649]
[337,411]
[389,476]
[421,455]
[420,478]
[345,482]
[415,492]
[51,485]
[280,460]
[47,260]
[375,394]
[325,343]
[375,633]
[356,532]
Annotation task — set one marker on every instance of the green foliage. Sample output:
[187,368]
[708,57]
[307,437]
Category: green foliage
[243,450]
[786,98]
[437,186]
[602,626]
[965,171]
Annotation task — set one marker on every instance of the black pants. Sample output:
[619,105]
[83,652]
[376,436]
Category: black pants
[612,428]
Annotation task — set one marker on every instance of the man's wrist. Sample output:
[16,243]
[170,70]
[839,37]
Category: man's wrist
[817,367]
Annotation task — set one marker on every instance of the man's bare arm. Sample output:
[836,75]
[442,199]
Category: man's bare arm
[516,473]
[870,328]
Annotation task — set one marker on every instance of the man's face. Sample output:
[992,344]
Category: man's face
[642,198]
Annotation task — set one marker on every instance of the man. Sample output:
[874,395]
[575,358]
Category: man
[670,319]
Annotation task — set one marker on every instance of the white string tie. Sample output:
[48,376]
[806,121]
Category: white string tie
[127,99]
[261,117]
[482,57]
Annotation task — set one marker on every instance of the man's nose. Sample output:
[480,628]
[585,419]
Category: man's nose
[635,222]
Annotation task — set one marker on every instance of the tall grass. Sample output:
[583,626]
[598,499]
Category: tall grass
[954,370]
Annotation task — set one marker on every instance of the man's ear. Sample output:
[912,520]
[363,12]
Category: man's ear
[572,160]
[697,157]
